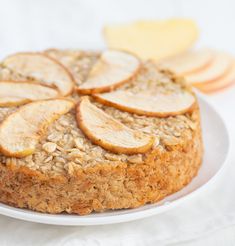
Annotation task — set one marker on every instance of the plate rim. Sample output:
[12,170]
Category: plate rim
[68,220]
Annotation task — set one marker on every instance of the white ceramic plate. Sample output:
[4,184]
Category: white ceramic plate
[216,143]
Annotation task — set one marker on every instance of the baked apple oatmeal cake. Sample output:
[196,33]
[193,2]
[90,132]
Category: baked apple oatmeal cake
[94,131]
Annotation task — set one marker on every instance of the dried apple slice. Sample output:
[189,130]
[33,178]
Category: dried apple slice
[21,131]
[16,93]
[219,66]
[220,84]
[160,105]
[41,68]
[112,70]
[105,131]
[188,62]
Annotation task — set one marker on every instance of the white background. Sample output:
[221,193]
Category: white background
[40,24]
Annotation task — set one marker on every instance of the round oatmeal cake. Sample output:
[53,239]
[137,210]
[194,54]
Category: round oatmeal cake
[54,160]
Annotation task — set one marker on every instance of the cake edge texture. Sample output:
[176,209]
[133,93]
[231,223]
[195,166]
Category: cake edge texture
[105,187]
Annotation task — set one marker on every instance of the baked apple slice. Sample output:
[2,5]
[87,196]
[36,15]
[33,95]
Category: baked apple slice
[21,131]
[219,66]
[110,134]
[111,70]
[16,93]
[220,84]
[41,68]
[188,62]
[160,105]
[7,101]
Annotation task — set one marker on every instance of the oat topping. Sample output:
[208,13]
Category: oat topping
[49,147]
[135,159]
[79,62]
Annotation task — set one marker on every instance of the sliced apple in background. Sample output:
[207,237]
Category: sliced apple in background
[41,68]
[155,39]
[160,105]
[226,81]
[21,131]
[16,93]
[219,66]
[188,62]
[111,70]
[110,134]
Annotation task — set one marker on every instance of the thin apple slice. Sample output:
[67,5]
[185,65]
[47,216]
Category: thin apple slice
[110,134]
[12,101]
[16,93]
[220,84]
[112,70]
[160,105]
[41,68]
[220,65]
[188,62]
[21,131]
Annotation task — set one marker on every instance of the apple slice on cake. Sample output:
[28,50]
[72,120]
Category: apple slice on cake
[113,69]
[21,130]
[41,68]
[159,105]
[105,131]
[17,93]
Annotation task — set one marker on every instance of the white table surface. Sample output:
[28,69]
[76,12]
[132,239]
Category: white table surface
[40,24]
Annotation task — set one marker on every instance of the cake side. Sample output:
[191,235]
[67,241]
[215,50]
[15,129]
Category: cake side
[68,173]
[103,186]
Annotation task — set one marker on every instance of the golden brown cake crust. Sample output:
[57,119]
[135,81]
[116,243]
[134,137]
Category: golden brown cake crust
[107,185]
[104,187]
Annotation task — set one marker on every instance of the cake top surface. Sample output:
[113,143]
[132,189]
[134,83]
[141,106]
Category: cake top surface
[143,103]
